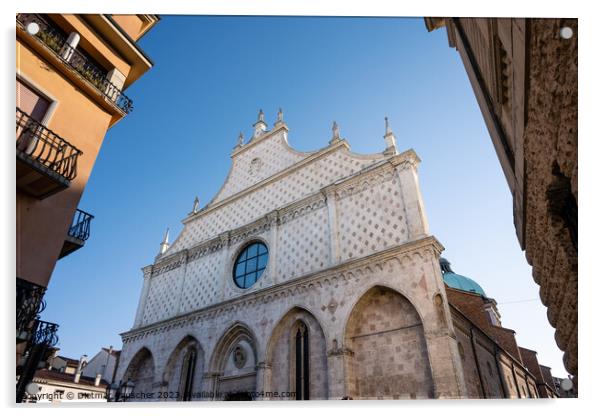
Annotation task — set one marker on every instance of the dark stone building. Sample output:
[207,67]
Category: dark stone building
[524,76]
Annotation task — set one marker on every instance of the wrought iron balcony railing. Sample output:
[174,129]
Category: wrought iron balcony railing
[78,233]
[29,304]
[57,43]
[36,354]
[45,333]
[37,143]
[80,227]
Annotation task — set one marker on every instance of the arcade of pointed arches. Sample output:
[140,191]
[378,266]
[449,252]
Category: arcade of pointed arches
[296,357]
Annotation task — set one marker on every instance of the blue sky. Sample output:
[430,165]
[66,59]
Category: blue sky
[211,76]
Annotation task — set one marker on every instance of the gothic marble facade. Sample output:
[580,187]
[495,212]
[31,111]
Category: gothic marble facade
[351,302]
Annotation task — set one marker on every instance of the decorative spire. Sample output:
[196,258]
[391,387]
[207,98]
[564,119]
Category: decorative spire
[260,126]
[165,243]
[389,139]
[387,127]
[279,118]
[241,140]
[336,133]
[195,205]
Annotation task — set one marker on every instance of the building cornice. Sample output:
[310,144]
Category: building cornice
[128,39]
[342,272]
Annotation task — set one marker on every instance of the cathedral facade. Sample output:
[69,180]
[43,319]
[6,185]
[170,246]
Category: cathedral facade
[310,275]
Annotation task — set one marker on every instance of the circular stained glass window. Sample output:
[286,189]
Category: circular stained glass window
[250,264]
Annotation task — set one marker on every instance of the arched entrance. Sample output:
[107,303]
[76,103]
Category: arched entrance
[390,357]
[235,362]
[183,373]
[297,356]
[142,372]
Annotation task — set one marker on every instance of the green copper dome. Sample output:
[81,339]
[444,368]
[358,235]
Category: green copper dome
[457,281]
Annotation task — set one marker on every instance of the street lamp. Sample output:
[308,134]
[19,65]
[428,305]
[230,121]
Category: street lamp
[119,392]
[126,389]
[112,392]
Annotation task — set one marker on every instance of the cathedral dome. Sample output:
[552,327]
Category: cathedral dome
[457,281]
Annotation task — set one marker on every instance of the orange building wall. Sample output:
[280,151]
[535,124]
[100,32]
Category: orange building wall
[43,224]
[130,23]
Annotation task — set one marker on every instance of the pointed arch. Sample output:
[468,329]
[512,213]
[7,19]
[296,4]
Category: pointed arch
[183,372]
[390,357]
[141,370]
[234,361]
[238,331]
[296,354]
[384,286]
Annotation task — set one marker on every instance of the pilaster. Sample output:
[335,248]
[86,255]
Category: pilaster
[446,369]
[333,224]
[183,260]
[273,220]
[146,275]
[263,380]
[209,387]
[406,166]
[226,255]
[339,359]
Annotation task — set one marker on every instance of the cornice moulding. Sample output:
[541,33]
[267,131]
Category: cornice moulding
[429,243]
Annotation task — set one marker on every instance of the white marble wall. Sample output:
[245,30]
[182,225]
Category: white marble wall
[411,270]
[336,225]
[360,215]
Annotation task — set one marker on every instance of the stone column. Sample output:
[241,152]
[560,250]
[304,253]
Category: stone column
[160,391]
[339,360]
[406,166]
[333,224]
[147,271]
[209,387]
[264,376]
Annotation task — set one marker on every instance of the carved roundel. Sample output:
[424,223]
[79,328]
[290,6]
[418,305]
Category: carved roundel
[240,356]
[255,166]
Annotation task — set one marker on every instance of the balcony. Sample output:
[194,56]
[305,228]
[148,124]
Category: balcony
[42,339]
[46,163]
[29,304]
[78,233]
[45,333]
[54,40]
